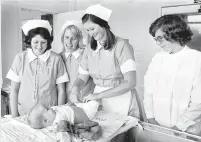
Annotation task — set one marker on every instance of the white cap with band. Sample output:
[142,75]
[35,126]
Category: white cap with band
[75,23]
[32,24]
[99,11]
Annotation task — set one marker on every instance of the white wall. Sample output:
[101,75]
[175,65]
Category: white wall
[11,38]
[10,28]
[59,20]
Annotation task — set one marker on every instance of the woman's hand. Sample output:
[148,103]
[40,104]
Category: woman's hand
[153,121]
[73,97]
[91,97]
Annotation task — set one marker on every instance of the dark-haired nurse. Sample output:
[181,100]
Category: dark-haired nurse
[37,75]
[109,60]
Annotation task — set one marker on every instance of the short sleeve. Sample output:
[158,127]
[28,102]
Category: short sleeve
[125,56]
[62,75]
[83,67]
[14,72]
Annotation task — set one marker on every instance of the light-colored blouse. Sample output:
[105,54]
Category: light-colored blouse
[172,88]
[107,67]
[72,61]
[38,77]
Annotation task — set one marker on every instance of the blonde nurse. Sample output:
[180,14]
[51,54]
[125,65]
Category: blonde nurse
[72,35]
[37,75]
[109,60]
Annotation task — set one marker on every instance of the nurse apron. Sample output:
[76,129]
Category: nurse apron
[118,104]
[107,67]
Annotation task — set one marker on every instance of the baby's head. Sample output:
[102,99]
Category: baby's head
[41,116]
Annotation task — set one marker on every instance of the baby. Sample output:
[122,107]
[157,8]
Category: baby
[40,116]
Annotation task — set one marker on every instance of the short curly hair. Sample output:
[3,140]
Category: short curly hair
[174,28]
[43,32]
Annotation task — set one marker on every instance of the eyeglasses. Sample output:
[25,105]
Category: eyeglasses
[159,39]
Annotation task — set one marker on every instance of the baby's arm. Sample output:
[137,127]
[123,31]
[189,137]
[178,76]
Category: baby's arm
[79,115]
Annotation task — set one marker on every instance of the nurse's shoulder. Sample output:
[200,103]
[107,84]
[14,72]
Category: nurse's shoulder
[122,45]
[55,55]
[20,56]
[194,54]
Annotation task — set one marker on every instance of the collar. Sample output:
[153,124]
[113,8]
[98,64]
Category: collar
[98,47]
[183,50]
[43,57]
[76,54]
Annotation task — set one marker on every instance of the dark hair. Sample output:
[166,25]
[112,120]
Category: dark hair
[104,24]
[43,32]
[174,28]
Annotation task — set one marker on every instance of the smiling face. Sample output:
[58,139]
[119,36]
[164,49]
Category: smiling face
[70,41]
[95,30]
[38,45]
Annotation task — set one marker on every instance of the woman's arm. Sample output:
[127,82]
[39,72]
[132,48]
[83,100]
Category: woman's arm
[192,114]
[79,115]
[61,93]
[75,92]
[14,98]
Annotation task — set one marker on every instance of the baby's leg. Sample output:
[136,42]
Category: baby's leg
[90,108]
[79,115]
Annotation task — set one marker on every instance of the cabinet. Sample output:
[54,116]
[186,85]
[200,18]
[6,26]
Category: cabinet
[5,109]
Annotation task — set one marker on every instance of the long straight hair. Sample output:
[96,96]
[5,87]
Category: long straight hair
[110,41]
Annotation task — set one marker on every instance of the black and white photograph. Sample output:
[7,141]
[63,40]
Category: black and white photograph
[100,70]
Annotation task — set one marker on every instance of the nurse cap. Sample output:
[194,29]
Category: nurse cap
[32,24]
[99,11]
[75,23]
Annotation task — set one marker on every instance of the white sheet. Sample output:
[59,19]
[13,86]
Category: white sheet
[17,130]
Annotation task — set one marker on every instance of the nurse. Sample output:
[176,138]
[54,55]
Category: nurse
[37,75]
[109,60]
[172,83]
[72,35]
